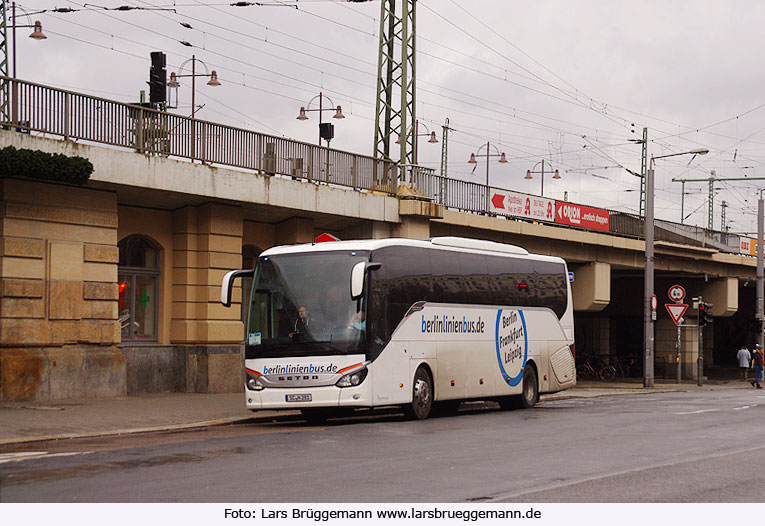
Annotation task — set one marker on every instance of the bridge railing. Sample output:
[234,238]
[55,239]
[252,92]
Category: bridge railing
[76,116]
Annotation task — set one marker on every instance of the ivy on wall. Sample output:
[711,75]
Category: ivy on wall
[45,166]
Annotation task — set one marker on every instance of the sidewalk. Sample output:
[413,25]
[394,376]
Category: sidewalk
[32,422]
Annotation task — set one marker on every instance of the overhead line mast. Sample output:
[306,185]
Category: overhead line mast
[396,70]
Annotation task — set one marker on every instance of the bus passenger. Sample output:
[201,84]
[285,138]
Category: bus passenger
[359,321]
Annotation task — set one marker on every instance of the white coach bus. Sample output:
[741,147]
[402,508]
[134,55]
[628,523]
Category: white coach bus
[420,324]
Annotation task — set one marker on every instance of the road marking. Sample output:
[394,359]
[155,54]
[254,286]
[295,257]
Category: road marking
[744,407]
[33,455]
[699,411]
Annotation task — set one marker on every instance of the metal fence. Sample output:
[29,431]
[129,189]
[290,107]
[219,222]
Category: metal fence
[76,116]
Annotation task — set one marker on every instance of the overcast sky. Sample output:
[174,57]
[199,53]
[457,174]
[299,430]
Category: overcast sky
[567,82]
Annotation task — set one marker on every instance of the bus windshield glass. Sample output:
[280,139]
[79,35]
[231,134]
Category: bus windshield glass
[301,305]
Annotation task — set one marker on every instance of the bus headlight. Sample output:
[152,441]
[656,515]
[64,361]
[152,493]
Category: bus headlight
[253,383]
[352,379]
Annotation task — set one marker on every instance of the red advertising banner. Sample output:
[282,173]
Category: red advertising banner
[581,216]
[505,202]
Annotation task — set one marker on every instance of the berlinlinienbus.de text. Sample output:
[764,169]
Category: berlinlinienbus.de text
[445,324]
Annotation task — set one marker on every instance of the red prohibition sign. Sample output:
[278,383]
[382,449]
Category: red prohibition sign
[676,293]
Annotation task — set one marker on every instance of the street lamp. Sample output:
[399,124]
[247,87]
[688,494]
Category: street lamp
[173,83]
[488,154]
[533,171]
[648,334]
[417,135]
[37,34]
[325,132]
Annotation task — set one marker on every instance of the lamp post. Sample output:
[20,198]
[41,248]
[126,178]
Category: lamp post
[37,34]
[648,333]
[488,154]
[417,135]
[173,83]
[533,171]
[328,135]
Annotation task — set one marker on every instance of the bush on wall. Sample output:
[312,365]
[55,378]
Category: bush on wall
[45,166]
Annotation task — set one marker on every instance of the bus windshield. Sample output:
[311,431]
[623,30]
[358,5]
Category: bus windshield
[301,305]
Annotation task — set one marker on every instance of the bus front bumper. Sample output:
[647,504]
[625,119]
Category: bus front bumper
[305,397]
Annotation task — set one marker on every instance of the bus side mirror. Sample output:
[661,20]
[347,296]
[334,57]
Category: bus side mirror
[357,277]
[228,284]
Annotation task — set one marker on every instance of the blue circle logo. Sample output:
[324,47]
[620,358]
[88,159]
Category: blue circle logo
[512,345]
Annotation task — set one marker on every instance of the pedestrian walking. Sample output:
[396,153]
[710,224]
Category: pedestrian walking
[744,358]
[757,361]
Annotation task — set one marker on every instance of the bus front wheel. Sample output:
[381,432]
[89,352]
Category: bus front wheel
[422,396]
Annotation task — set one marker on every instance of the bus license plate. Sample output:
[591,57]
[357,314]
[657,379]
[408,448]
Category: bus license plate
[298,397]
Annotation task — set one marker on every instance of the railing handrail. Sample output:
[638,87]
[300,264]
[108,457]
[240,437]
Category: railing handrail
[138,106]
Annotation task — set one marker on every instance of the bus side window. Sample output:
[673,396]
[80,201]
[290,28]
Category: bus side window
[446,278]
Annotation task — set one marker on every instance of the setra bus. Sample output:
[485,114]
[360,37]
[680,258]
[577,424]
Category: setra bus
[419,324]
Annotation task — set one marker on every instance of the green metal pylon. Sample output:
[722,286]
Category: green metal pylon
[710,214]
[444,158]
[4,89]
[397,31]
[723,227]
[643,171]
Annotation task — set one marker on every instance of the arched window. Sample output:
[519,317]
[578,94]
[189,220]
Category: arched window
[138,288]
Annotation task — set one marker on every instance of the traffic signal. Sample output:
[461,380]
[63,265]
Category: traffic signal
[327,131]
[705,313]
[157,78]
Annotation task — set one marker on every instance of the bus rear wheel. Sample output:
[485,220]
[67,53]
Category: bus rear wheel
[422,396]
[529,392]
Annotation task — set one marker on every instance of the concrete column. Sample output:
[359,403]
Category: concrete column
[415,216]
[294,231]
[723,295]
[666,347]
[58,293]
[592,287]
[367,230]
[602,332]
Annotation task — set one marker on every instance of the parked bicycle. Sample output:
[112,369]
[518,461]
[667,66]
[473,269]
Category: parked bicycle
[595,367]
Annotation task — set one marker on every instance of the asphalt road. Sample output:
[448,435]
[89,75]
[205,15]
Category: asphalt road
[660,447]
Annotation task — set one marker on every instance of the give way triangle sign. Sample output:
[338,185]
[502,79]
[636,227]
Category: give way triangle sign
[676,311]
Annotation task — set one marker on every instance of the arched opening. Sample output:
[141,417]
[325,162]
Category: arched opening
[138,288]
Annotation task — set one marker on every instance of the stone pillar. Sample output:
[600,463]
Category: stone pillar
[602,333]
[207,243]
[723,294]
[665,347]
[294,231]
[58,293]
[592,287]
[415,217]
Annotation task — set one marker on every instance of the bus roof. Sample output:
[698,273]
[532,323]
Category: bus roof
[459,244]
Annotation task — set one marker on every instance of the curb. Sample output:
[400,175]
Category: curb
[151,429]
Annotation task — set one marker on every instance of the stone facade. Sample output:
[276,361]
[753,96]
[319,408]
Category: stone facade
[58,293]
